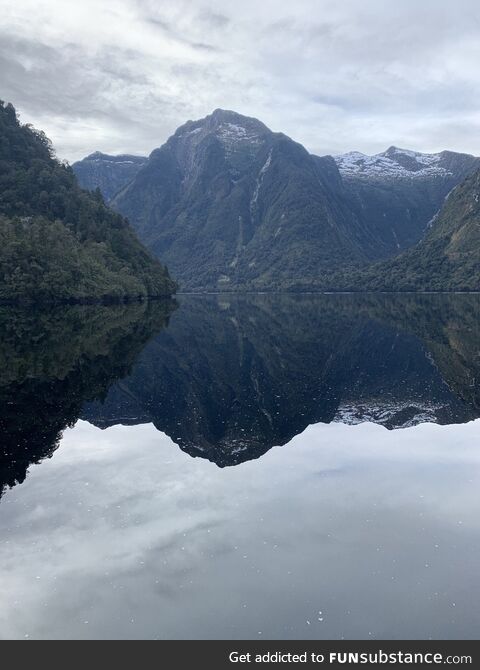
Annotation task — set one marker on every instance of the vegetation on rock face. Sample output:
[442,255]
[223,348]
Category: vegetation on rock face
[58,242]
[396,194]
[447,259]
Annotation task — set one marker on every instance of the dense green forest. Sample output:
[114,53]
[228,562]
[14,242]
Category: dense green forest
[58,242]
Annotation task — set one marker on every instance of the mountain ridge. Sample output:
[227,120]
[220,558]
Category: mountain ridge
[398,163]
[231,205]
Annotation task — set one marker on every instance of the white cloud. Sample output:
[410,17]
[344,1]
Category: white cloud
[121,75]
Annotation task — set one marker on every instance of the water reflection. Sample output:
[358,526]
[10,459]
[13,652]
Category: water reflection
[233,376]
[350,531]
[52,362]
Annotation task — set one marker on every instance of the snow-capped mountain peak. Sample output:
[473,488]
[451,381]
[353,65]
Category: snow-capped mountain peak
[393,163]
[227,125]
[241,137]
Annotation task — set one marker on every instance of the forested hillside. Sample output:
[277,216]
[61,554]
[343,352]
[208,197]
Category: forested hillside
[447,259]
[58,242]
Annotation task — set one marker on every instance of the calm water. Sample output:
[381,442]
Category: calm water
[242,467]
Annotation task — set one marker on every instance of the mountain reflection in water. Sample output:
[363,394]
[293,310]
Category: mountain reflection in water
[233,376]
[228,377]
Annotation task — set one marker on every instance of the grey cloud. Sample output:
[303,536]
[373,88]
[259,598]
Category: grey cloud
[214,19]
[169,30]
[43,79]
[334,76]
[101,92]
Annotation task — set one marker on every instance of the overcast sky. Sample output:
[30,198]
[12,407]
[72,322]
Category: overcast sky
[336,75]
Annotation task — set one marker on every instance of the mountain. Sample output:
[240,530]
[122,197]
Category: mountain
[108,173]
[226,202]
[397,193]
[58,242]
[231,205]
[447,259]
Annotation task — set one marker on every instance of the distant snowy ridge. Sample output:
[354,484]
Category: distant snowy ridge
[393,163]
[119,159]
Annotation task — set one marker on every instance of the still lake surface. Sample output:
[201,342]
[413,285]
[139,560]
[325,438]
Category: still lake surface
[242,467]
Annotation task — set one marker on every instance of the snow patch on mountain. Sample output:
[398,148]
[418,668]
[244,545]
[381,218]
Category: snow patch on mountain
[234,136]
[194,131]
[387,413]
[394,163]
[120,159]
[233,130]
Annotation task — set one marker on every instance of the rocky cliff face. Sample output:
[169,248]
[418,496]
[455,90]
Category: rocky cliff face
[226,202]
[108,173]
